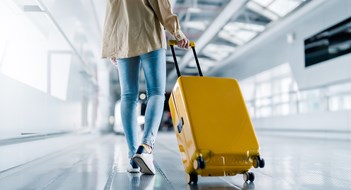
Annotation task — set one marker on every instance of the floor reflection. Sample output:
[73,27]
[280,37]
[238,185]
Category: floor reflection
[141,182]
[291,163]
[102,164]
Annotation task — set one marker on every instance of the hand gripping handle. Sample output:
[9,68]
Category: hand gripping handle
[173,43]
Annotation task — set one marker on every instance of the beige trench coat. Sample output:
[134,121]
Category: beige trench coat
[135,27]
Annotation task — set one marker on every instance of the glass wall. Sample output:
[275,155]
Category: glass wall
[32,51]
[275,92]
[45,85]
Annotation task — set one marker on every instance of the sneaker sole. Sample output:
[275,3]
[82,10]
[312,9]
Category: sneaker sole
[143,166]
[133,171]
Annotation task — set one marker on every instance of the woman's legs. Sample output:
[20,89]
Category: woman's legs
[128,69]
[154,66]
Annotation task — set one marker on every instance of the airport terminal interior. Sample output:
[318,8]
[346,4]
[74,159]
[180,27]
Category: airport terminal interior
[60,102]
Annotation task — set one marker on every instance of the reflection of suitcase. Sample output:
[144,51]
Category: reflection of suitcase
[213,128]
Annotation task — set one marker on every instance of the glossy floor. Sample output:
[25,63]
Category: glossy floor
[291,163]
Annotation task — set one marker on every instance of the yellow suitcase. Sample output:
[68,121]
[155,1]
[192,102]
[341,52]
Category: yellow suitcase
[213,128]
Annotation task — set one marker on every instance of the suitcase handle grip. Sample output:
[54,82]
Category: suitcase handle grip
[172,43]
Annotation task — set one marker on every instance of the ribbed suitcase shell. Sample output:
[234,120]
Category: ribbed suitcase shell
[211,120]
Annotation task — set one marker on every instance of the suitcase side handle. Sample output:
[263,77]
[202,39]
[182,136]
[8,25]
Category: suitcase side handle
[172,43]
[180,125]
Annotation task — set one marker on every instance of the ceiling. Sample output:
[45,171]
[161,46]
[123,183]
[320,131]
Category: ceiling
[221,27]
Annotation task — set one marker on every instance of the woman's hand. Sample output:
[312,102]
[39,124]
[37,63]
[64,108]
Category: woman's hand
[184,43]
[113,60]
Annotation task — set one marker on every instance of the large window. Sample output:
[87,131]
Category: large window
[275,92]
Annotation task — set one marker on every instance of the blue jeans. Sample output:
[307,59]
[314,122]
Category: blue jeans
[154,66]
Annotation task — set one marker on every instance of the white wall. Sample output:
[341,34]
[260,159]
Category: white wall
[326,125]
[274,50]
[331,71]
[268,51]
[25,109]
[51,77]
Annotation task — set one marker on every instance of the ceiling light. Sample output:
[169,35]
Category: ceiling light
[194,10]
[199,25]
[262,11]
[230,38]
[217,51]
[246,35]
[263,2]
[283,7]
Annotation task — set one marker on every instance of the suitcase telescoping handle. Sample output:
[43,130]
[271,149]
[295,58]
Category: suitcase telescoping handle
[173,43]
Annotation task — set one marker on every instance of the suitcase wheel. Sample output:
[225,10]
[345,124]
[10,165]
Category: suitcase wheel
[249,176]
[262,163]
[199,163]
[258,162]
[192,178]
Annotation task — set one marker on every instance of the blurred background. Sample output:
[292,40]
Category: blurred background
[291,57]
[53,79]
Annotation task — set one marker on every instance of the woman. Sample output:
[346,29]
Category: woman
[134,37]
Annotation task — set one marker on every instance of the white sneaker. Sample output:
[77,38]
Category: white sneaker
[144,160]
[133,168]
